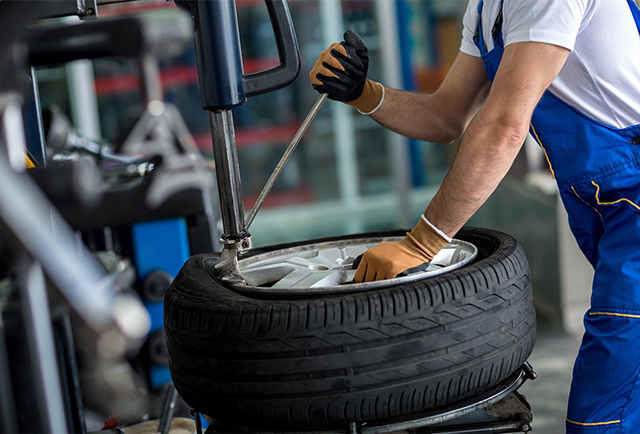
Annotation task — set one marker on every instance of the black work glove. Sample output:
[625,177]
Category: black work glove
[341,73]
[341,69]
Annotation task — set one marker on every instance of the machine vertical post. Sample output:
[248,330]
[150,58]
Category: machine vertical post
[228,174]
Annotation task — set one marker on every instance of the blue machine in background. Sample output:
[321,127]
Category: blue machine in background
[160,248]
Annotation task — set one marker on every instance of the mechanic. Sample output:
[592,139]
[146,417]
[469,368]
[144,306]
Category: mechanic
[568,72]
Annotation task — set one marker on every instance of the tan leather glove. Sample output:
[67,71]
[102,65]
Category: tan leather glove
[391,258]
[341,73]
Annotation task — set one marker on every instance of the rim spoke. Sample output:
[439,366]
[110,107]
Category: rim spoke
[311,279]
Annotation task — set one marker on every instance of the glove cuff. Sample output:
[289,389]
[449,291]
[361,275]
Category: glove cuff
[426,238]
[370,99]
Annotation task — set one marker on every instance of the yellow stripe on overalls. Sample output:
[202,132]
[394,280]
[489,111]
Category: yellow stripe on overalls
[593,424]
[615,202]
[624,315]
[543,150]
[587,203]
[28,163]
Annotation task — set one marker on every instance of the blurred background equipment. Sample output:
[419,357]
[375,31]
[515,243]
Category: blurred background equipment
[82,298]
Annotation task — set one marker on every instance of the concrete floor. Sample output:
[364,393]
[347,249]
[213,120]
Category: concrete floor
[552,360]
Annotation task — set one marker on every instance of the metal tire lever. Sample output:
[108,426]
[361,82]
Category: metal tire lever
[287,154]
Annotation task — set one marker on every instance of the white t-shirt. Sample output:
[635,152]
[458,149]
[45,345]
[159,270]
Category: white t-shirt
[601,76]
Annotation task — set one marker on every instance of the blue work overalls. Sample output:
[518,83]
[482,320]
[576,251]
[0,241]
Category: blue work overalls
[597,169]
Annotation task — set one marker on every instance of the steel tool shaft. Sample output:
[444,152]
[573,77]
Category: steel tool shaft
[287,154]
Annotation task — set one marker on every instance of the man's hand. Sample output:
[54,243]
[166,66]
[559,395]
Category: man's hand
[341,72]
[391,258]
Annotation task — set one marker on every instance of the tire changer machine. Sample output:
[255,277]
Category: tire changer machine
[107,226]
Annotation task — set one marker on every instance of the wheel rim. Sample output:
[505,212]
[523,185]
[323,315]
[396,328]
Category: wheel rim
[327,266]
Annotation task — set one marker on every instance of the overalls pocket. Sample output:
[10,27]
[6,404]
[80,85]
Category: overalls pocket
[615,193]
[615,199]
[629,197]
[585,220]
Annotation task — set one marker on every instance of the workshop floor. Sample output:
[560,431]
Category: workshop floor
[552,359]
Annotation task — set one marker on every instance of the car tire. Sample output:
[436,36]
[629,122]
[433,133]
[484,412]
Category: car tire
[301,362]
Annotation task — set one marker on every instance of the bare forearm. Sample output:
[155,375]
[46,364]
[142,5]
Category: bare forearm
[483,159]
[495,136]
[416,115]
[443,116]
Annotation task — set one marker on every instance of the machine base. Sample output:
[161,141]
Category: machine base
[500,409]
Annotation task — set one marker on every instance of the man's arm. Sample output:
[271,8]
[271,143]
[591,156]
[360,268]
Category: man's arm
[492,137]
[496,134]
[442,116]
[341,73]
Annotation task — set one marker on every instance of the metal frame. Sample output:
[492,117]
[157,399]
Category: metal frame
[460,409]
[83,9]
[68,366]
[40,391]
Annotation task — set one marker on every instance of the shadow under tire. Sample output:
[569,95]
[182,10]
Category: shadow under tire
[309,362]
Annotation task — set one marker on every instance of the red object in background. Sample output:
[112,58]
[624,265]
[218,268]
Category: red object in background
[258,136]
[170,77]
[112,421]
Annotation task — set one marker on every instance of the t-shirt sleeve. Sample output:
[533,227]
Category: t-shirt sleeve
[548,21]
[469,22]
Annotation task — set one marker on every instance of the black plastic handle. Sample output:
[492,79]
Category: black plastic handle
[289,68]
[223,84]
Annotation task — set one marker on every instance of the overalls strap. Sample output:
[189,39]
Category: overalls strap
[496,31]
[635,11]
